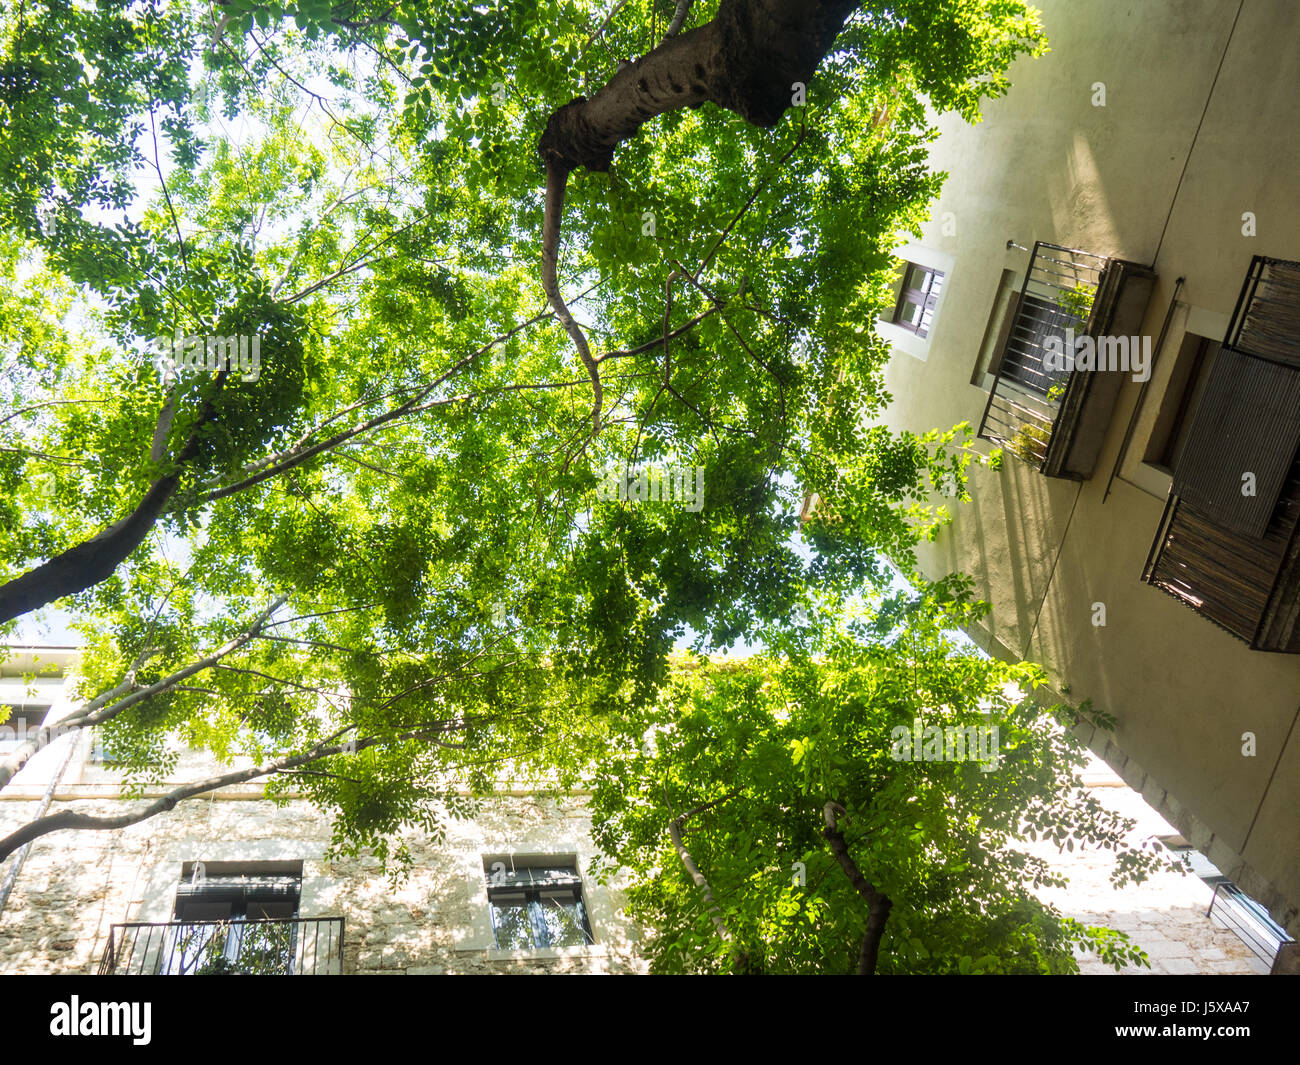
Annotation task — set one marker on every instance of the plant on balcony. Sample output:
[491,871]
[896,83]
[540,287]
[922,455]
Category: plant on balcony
[1030,441]
[1077,301]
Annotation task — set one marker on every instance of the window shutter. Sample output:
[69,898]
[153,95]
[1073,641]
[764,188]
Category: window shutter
[1248,421]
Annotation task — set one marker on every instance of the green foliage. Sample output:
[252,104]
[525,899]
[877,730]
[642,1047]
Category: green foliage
[415,471]
[1077,301]
[1030,441]
[759,747]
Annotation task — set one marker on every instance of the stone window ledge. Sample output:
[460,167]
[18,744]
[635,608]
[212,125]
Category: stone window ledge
[538,954]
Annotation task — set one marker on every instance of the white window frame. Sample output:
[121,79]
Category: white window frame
[482,937]
[902,339]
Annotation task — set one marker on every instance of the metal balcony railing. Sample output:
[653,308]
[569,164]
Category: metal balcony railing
[1237,911]
[299,946]
[1061,286]
[1234,557]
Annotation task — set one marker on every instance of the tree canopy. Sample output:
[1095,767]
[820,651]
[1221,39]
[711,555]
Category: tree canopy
[856,804]
[484,254]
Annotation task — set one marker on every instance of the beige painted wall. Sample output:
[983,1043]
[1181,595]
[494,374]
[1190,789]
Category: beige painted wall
[1199,126]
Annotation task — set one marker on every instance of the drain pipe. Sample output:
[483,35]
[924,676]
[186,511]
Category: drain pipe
[1137,407]
[11,878]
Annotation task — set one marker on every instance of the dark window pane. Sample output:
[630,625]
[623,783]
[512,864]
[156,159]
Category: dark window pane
[514,929]
[564,921]
[917,296]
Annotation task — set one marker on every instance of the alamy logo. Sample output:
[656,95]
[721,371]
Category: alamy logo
[1129,354]
[645,484]
[18,736]
[181,354]
[102,1018]
[953,743]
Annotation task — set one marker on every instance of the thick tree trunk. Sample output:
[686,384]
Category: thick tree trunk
[88,563]
[747,60]
[94,560]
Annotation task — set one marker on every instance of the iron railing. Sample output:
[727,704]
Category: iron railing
[1235,559]
[299,946]
[1266,324]
[1248,919]
[1060,288]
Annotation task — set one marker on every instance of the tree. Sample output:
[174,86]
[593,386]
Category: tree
[855,805]
[381,560]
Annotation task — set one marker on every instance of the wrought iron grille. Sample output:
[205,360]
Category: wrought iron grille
[1238,911]
[1060,288]
[299,946]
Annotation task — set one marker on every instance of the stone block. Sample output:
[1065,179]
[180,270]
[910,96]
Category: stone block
[1198,834]
[1224,858]
[1163,949]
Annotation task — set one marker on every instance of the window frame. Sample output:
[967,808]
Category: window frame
[26,712]
[1177,405]
[533,890]
[926,299]
[242,887]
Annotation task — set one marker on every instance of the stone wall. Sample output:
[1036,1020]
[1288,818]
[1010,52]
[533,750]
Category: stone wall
[75,885]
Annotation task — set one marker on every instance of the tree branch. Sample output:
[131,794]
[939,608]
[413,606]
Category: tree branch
[679,18]
[878,905]
[701,882]
[746,59]
[92,561]
[715,911]
[71,819]
[300,452]
[556,177]
[103,707]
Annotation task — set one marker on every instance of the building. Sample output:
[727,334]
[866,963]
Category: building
[1132,202]
[233,881]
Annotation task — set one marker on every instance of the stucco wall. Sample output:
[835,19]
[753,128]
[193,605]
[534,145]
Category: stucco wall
[1199,126]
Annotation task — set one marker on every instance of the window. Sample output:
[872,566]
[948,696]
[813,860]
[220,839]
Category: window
[22,720]
[1036,321]
[998,329]
[234,918]
[536,903]
[1186,383]
[917,298]
[102,751]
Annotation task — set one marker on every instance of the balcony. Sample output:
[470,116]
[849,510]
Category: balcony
[1051,418]
[310,946]
[1227,544]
